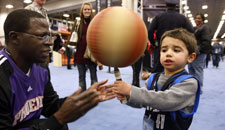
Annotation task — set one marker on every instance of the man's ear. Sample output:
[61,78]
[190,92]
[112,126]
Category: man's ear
[14,37]
[191,57]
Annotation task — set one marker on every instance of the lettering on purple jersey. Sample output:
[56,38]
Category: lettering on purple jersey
[31,105]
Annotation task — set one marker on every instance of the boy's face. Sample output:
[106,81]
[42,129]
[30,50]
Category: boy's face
[174,55]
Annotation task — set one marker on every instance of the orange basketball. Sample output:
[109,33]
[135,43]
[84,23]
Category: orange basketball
[117,37]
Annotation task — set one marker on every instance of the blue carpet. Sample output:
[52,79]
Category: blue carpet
[112,115]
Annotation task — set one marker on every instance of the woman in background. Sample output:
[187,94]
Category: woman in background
[82,63]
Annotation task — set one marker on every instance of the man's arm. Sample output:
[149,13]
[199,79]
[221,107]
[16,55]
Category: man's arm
[74,107]
[5,109]
[151,30]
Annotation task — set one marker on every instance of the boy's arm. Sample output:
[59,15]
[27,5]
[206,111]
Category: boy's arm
[177,97]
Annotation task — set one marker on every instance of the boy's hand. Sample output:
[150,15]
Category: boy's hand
[122,88]
[120,97]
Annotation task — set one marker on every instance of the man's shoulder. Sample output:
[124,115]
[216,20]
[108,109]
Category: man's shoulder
[30,6]
[5,68]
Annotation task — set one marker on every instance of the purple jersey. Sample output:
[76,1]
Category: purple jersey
[27,91]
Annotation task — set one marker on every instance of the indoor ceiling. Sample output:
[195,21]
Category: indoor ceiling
[75,11]
[215,11]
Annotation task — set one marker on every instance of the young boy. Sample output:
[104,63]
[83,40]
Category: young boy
[171,98]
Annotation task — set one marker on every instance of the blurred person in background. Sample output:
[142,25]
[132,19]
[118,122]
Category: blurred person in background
[203,36]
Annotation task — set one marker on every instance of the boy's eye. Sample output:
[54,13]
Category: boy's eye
[163,50]
[176,50]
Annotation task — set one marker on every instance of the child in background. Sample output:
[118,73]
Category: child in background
[171,97]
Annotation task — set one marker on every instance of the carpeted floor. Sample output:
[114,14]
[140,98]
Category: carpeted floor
[112,115]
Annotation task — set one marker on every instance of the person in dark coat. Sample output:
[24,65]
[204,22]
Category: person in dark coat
[168,20]
[57,42]
[203,37]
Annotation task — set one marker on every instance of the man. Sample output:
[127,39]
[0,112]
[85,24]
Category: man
[37,6]
[1,45]
[217,51]
[168,20]
[25,87]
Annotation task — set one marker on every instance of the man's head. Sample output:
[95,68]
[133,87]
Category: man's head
[40,2]
[27,35]
[199,18]
[171,4]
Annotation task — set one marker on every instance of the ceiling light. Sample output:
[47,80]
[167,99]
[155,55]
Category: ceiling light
[188,11]
[186,7]
[206,15]
[205,7]
[189,15]
[191,18]
[93,10]
[66,15]
[206,21]
[218,28]
[183,2]
[27,1]
[223,36]
[9,6]
[223,17]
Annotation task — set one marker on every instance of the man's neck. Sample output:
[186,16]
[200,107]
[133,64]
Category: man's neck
[18,60]
[41,6]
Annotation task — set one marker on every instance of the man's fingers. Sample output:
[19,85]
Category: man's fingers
[77,92]
[104,98]
[83,107]
[86,97]
[95,85]
[105,87]
[87,106]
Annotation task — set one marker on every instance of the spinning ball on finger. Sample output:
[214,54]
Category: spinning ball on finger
[117,37]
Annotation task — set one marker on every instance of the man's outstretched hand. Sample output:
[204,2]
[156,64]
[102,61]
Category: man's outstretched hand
[106,91]
[78,104]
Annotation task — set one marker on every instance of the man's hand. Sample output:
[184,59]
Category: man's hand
[106,91]
[77,105]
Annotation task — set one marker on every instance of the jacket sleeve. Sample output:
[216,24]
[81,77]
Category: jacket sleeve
[177,97]
[203,36]
[6,119]
[151,30]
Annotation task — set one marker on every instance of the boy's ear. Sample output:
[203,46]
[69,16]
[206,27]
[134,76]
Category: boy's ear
[191,57]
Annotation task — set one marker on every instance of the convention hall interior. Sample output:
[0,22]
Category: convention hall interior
[112,114]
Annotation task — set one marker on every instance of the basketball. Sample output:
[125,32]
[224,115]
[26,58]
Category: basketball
[117,37]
